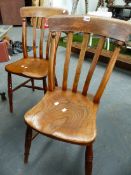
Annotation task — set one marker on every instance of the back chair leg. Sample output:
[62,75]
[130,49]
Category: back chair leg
[32,82]
[44,85]
[28,140]
[10,92]
[56,82]
[88,160]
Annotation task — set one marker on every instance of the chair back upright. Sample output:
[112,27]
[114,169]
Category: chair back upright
[39,16]
[115,29]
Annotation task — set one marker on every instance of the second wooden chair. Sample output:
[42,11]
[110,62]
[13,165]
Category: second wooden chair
[35,66]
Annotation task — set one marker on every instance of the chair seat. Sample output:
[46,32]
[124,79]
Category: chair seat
[65,115]
[29,67]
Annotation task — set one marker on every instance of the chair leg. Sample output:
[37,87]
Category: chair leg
[56,82]
[10,92]
[88,159]
[44,85]
[28,139]
[32,82]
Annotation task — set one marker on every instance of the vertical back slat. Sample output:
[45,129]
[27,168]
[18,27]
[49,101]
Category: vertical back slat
[47,45]
[24,38]
[41,37]
[51,69]
[93,65]
[39,21]
[58,35]
[34,22]
[80,61]
[67,60]
[106,75]
[58,38]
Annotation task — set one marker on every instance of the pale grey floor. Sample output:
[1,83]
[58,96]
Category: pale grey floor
[112,149]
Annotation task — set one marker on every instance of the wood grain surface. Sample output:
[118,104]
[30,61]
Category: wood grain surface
[64,115]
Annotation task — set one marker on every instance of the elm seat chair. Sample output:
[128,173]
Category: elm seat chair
[35,66]
[65,113]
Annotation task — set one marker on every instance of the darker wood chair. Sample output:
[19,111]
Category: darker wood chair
[64,113]
[35,66]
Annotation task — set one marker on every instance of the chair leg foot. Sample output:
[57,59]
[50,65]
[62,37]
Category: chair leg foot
[3,97]
[10,92]
[32,82]
[28,139]
[88,160]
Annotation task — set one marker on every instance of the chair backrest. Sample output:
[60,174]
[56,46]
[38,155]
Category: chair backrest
[104,27]
[38,17]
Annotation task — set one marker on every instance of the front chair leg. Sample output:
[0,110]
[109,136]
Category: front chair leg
[10,92]
[28,139]
[44,85]
[88,159]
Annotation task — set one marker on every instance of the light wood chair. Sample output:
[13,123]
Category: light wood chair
[35,66]
[67,114]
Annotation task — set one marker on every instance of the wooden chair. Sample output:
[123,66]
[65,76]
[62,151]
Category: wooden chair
[67,114]
[35,66]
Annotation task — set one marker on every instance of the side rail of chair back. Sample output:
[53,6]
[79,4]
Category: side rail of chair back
[38,17]
[115,29]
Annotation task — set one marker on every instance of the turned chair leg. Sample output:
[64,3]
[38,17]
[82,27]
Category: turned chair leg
[56,82]
[28,139]
[32,82]
[10,92]
[44,85]
[88,160]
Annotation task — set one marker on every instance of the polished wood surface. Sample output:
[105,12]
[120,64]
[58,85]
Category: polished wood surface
[68,114]
[97,25]
[67,61]
[30,67]
[41,11]
[80,61]
[34,66]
